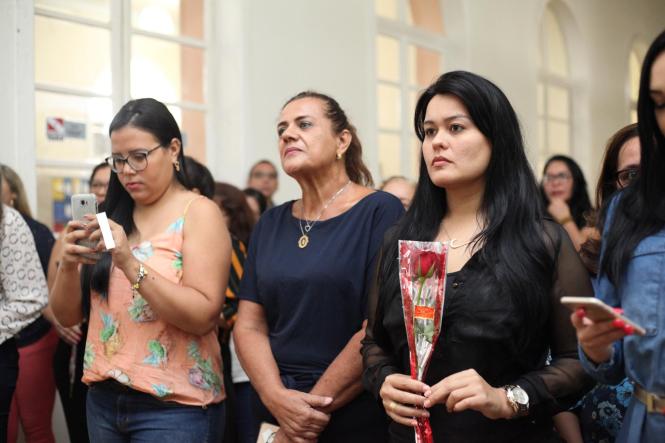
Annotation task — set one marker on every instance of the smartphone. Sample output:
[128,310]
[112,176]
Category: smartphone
[596,310]
[82,205]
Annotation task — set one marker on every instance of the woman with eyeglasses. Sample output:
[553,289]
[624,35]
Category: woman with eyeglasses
[631,272]
[152,360]
[565,196]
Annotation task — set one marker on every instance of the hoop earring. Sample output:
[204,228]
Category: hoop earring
[176,165]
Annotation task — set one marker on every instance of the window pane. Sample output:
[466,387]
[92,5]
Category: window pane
[542,146]
[166,71]
[634,67]
[387,58]
[416,147]
[72,128]
[557,102]
[557,54]
[388,107]
[55,188]
[92,9]
[389,158]
[424,66]
[540,98]
[171,17]
[558,135]
[425,14]
[72,55]
[386,9]
[192,125]
[633,115]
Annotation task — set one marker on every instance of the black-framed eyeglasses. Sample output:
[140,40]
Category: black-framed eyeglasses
[560,177]
[626,176]
[137,160]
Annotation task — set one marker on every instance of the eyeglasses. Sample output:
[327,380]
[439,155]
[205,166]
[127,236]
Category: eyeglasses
[260,174]
[626,176]
[561,177]
[137,160]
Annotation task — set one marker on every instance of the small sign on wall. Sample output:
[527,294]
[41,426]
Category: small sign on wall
[57,128]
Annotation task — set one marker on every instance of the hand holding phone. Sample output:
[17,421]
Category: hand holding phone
[82,206]
[598,311]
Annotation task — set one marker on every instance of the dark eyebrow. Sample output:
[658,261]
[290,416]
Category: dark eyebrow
[656,92]
[299,118]
[448,119]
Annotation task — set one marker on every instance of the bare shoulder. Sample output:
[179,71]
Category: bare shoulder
[203,209]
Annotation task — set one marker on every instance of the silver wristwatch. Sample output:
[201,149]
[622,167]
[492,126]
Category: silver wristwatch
[518,399]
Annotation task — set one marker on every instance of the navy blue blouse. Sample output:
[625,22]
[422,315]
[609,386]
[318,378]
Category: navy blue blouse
[315,299]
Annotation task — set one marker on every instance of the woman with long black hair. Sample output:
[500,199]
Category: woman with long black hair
[151,355]
[565,196]
[632,271]
[507,269]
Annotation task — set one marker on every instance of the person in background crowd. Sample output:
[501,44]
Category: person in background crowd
[631,273]
[199,177]
[256,201]
[68,359]
[507,268]
[34,397]
[303,294]
[23,294]
[152,355]
[240,221]
[401,188]
[599,414]
[263,177]
[565,196]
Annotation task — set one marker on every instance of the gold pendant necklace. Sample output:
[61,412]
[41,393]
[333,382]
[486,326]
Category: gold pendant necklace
[303,241]
[451,241]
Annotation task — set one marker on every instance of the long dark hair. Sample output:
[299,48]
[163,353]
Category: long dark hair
[606,187]
[233,202]
[513,231]
[353,158]
[579,202]
[640,211]
[154,117]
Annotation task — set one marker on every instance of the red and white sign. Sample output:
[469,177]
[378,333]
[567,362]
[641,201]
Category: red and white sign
[55,128]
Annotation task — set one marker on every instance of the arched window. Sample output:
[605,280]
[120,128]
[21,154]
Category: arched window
[554,89]
[634,68]
[408,48]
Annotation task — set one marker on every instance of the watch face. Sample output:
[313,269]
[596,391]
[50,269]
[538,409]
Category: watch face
[520,396]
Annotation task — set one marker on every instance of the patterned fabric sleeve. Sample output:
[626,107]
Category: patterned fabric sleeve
[238,255]
[23,291]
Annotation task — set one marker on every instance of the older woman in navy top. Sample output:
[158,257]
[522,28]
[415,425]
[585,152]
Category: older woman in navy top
[303,295]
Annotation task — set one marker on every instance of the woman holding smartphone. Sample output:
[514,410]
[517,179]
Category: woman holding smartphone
[151,354]
[488,379]
[632,272]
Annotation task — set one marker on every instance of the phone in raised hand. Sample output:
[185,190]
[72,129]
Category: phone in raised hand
[82,205]
[597,311]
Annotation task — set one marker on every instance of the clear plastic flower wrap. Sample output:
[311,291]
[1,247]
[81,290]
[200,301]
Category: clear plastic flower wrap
[422,276]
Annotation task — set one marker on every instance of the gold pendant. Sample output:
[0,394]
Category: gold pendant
[303,241]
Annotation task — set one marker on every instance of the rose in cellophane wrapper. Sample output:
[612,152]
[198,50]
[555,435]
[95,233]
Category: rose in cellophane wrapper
[422,277]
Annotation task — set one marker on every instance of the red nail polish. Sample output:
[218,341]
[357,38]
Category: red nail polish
[628,329]
[581,313]
[618,323]
[618,310]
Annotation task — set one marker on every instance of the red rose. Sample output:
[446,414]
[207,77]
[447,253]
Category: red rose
[424,265]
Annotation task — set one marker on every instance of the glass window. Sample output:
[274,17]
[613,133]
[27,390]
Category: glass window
[388,104]
[425,14]
[557,102]
[91,9]
[169,17]
[72,55]
[557,54]
[387,58]
[389,155]
[424,66]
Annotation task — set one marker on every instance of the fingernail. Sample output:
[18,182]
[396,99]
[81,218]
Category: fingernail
[618,310]
[426,404]
[427,393]
[581,313]
[628,329]
[618,323]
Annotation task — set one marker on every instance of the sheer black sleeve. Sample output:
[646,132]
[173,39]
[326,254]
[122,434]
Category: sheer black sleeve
[377,351]
[560,384]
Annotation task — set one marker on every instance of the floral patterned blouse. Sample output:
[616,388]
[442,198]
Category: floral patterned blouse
[128,342]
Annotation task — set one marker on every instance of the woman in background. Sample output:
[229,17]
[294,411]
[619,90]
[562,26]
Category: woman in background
[565,196]
[34,397]
[23,295]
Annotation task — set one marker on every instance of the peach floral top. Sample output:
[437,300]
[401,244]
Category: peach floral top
[128,342]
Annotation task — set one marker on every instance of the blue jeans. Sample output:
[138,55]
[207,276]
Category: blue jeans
[117,414]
